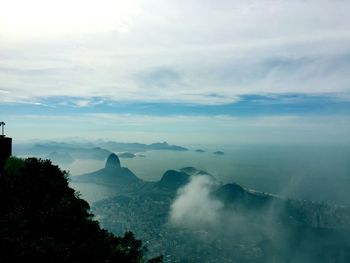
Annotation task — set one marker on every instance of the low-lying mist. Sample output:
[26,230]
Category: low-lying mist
[194,206]
[312,172]
[254,233]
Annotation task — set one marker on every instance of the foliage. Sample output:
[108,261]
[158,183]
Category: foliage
[43,220]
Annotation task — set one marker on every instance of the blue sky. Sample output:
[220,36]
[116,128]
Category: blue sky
[182,71]
[244,106]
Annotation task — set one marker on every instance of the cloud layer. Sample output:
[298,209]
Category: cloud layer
[199,52]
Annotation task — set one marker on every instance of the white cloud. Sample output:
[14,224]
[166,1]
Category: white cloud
[29,19]
[193,205]
[226,48]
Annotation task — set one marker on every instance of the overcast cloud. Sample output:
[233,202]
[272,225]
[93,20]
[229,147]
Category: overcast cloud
[201,52]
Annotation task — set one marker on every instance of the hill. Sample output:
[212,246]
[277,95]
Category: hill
[112,174]
[173,179]
[66,152]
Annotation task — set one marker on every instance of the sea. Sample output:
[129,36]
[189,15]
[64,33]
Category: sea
[319,173]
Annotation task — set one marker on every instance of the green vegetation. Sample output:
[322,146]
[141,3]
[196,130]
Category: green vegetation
[43,220]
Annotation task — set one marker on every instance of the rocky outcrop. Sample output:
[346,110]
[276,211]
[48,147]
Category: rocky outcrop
[113,174]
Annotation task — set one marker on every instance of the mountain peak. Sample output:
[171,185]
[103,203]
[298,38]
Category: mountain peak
[112,161]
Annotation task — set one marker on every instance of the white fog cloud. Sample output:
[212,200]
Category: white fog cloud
[193,206]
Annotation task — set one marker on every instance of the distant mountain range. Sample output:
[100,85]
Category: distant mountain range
[61,152]
[66,152]
[139,147]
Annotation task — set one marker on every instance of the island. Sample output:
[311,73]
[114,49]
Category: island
[126,155]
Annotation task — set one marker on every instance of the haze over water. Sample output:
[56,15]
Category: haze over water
[317,173]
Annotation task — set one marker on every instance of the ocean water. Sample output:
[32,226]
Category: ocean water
[317,173]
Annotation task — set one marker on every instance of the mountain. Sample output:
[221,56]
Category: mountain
[98,150]
[230,193]
[234,195]
[56,150]
[173,180]
[112,174]
[166,146]
[139,147]
[112,162]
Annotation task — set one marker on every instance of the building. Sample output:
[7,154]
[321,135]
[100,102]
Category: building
[5,148]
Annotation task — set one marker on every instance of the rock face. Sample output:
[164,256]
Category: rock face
[112,174]
[112,162]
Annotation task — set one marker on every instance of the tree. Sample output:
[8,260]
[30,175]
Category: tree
[42,219]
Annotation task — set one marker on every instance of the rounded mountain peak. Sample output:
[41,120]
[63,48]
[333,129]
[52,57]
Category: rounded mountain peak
[113,161]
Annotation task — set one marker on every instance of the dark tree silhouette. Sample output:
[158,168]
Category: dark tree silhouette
[42,219]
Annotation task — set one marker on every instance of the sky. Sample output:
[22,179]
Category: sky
[194,71]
